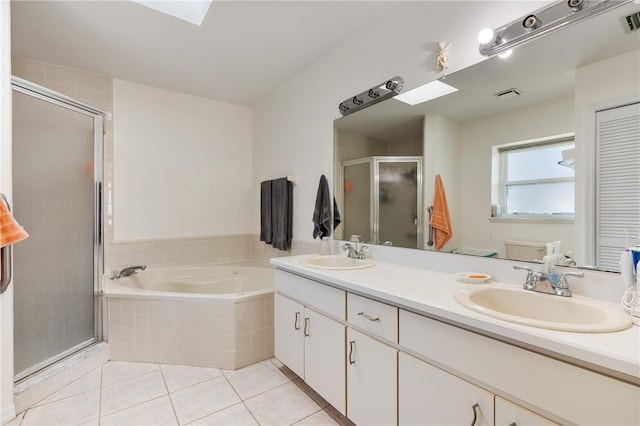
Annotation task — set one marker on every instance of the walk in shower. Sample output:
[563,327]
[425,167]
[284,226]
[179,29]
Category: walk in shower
[382,200]
[57,157]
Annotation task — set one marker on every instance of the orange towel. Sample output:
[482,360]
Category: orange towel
[440,220]
[10,231]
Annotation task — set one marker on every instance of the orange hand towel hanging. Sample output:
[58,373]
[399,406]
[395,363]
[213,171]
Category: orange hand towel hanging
[440,220]
[10,231]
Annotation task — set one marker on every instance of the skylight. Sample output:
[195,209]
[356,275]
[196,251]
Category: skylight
[426,92]
[192,11]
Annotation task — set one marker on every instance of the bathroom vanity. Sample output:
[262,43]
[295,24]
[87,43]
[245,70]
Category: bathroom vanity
[390,345]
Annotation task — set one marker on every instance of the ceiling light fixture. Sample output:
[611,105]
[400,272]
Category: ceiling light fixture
[382,91]
[541,22]
[426,92]
[192,11]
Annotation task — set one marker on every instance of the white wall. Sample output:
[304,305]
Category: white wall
[196,157]
[7,410]
[545,119]
[605,84]
[293,128]
[442,157]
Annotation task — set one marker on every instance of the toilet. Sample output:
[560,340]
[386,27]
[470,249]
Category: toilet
[525,250]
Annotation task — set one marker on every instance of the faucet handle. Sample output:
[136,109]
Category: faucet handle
[532,276]
[562,289]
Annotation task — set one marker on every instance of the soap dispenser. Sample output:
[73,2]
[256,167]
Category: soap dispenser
[549,264]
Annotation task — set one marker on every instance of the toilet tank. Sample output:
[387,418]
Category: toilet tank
[525,250]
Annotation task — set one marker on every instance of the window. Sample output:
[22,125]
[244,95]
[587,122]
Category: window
[537,178]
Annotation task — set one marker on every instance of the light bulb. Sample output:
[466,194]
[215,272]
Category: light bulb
[505,54]
[486,36]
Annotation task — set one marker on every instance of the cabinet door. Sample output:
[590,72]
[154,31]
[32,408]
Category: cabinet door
[324,367]
[371,380]
[288,330]
[510,414]
[430,396]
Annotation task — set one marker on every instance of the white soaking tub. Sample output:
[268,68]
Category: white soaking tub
[215,316]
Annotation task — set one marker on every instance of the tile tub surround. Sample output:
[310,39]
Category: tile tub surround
[120,393]
[192,251]
[191,332]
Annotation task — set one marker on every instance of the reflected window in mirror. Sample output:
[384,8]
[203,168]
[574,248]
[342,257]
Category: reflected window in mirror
[536,179]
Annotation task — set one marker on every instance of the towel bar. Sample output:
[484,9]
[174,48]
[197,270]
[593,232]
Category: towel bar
[430,242]
[5,258]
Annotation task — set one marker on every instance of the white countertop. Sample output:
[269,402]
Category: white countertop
[431,293]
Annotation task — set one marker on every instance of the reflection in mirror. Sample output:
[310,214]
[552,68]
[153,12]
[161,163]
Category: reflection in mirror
[516,148]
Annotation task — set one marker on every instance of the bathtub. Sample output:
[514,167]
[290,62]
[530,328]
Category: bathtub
[214,316]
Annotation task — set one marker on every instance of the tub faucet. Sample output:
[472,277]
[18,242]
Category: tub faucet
[127,272]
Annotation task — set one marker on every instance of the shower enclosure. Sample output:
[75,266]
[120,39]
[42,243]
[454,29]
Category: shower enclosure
[382,200]
[57,147]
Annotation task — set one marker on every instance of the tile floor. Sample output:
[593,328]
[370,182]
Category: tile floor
[130,393]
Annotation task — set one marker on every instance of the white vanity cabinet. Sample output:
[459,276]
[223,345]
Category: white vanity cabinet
[309,342]
[371,380]
[289,335]
[428,395]
[510,414]
[379,363]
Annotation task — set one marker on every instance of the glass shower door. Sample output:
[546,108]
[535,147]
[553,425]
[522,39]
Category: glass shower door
[54,194]
[399,202]
[357,200]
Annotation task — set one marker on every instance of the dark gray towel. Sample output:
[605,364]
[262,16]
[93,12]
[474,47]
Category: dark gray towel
[265,211]
[336,215]
[281,213]
[322,210]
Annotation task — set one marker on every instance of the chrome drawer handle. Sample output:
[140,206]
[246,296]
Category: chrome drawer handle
[351,346]
[368,317]
[296,326]
[474,407]
[306,327]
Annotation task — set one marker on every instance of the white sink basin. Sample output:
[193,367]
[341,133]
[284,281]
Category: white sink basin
[513,304]
[337,262]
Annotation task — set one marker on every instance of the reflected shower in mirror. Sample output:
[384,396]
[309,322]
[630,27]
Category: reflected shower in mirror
[514,145]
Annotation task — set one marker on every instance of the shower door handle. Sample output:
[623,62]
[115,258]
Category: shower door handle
[5,258]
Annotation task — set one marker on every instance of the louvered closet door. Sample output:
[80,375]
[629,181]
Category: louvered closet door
[617,183]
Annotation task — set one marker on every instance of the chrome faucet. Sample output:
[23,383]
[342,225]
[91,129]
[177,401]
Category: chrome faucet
[354,253]
[546,283]
[127,272]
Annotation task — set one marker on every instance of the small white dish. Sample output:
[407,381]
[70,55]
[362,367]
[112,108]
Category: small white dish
[473,277]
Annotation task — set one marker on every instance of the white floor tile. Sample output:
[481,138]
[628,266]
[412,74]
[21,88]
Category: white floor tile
[283,405]
[117,371]
[69,411]
[128,393]
[256,378]
[155,412]
[89,381]
[182,376]
[236,415]
[203,399]
[321,418]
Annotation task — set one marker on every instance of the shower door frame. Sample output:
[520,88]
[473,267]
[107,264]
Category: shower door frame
[374,209]
[47,95]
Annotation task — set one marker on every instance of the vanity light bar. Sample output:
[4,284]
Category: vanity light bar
[382,91]
[541,22]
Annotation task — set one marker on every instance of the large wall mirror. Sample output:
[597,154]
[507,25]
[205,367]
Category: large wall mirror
[520,169]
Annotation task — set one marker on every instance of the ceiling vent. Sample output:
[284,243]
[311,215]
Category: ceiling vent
[508,94]
[633,21]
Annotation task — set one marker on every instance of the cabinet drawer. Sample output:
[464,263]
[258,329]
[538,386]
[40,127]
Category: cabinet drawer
[324,298]
[375,317]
